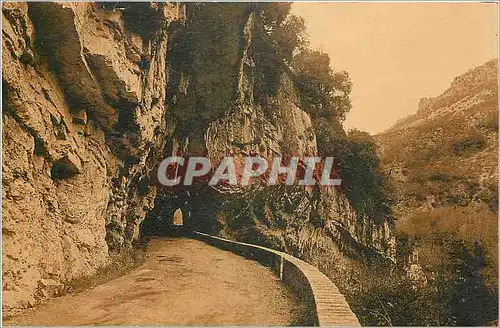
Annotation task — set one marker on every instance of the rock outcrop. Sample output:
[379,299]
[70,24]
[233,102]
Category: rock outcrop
[468,91]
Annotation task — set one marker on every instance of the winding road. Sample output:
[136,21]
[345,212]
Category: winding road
[182,282]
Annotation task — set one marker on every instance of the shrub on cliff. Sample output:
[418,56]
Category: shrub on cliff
[366,186]
[325,96]
[287,32]
[392,300]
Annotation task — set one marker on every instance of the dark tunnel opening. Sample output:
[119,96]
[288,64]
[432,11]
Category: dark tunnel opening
[197,207]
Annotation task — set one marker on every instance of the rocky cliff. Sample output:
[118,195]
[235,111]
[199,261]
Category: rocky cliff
[83,122]
[95,95]
[266,119]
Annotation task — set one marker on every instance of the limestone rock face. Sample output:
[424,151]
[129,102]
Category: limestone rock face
[247,129]
[83,119]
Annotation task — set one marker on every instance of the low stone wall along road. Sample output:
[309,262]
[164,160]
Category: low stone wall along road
[183,282]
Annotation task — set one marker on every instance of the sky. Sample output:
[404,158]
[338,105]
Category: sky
[397,53]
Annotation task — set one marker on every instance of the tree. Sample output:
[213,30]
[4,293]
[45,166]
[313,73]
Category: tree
[323,93]
[273,14]
[330,136]
[287,32]
[290,37]
[365,185]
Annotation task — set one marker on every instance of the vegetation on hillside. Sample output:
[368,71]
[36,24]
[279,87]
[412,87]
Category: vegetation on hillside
[444,161]
[325,96]
[456,294]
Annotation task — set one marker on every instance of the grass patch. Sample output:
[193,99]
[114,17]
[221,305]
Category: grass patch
[489,122]
[472,224]
[469,145]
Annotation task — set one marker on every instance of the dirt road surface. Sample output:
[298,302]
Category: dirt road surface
[182,282]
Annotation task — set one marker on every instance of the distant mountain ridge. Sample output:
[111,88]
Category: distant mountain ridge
[474,86]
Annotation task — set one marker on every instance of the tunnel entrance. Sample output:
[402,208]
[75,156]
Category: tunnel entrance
[166,218]
[192,208]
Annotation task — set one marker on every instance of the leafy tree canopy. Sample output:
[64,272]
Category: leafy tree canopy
[324,93]
[286,31]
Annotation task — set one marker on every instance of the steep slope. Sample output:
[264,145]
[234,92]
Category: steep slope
[443,161]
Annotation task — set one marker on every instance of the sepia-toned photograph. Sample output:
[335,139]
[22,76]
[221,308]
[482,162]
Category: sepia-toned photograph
[272,163]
